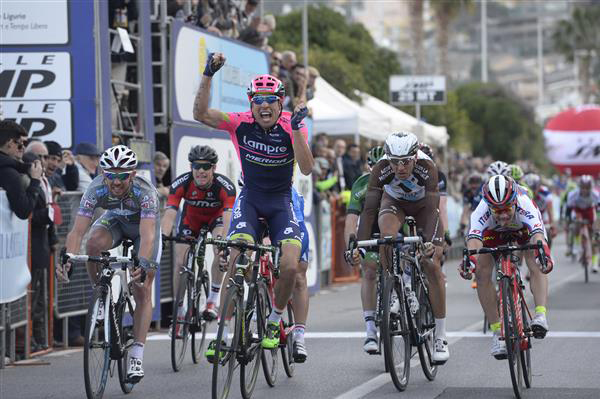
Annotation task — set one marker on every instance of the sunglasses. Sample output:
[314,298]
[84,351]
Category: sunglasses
[401,161]
[203,166]
[258,100]
[20,145]
[502,211]
[119,176]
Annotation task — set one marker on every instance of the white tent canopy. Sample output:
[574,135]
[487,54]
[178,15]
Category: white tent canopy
[335,114]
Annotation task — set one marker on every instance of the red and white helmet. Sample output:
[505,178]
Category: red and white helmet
[586,181]
[266,84]
[500,191]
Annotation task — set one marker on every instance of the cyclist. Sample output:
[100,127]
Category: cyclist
[507,214]
[497,168]
[517,174]
[543,199]
[131,211]
[567,214]
[583,201]
[405,182]
[300,295]
[208,199]
[368,295]
[268,142]
[471,197]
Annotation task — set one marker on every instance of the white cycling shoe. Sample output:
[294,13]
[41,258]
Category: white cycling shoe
[539,326]
[498,346]
[135,372]
[371,345]
[441,354]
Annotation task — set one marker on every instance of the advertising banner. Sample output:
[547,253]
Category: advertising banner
[14,273]
[29,22]
[573,140]
[416,89]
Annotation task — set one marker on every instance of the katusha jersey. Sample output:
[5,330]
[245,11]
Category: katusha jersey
[141,202]
[267,157]
[576,201]
[527,215]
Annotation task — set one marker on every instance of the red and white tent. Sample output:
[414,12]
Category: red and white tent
[573,140]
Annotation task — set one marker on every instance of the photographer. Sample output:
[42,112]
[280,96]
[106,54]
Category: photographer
[21,190]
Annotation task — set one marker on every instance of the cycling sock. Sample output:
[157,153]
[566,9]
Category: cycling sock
[495,327]
[440,328]
[181,310]
[369,316]
[594,260]
[214,292]
[137,350]
[275,315]
[540,309]
[299,332]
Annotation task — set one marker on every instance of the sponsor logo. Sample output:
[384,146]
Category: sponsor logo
[224,183]
[180,181]
[240,225]
[288,230]
[237,213]
[525,213]
[187,232]
[475,232]
[269,149]
[204,204]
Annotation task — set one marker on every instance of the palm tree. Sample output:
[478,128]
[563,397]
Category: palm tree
[445,11]
[416,27]
[578,40]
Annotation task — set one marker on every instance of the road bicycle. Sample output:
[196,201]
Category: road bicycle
[583,228]
[192,293]
[404,327]
[515,317]
[248,320]
[107,338]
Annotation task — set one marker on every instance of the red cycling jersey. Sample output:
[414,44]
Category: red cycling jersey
[202,207]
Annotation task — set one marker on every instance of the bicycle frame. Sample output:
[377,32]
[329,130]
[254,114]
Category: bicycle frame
[507,269]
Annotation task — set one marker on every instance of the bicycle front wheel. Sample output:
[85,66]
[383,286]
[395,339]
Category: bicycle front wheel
[96,349]
[252,336]
[396,334]
[126,338]
[526,349]
[225,360]
[511,335]
[199,324]
[425,326]
[269,356]
[180,327]
[287,349]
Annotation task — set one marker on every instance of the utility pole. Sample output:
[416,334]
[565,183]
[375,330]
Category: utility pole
[540,53]
[484,55]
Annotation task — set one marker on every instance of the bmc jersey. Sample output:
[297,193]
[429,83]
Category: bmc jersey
[527,215]
[267,157]
[201,205]
[576,201]
[141,202]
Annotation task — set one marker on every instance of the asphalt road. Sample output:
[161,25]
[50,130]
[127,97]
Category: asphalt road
[565,364]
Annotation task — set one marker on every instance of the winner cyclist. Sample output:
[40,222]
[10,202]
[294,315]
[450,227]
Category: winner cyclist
[268,142]
[131,204]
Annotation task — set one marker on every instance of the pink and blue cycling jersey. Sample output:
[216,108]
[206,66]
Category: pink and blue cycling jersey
[267,157]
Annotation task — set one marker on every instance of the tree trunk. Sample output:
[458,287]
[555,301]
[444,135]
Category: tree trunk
[585,82]
[442,43]
[416,26]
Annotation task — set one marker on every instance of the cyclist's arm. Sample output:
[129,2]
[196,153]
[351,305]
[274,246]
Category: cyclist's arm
[228,194]
[176,194]
[466,213]
[208,116]
[226,221]
[168,220]
[80,227]
[147,238]
[302,151]
[369,212]
[444,212]
[350,226]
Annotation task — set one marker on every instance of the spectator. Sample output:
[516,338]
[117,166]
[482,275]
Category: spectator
[275,63]
[88,158]
[161,165]
[247,14]
[339,150]
[60,167]
[288,60]
[352,165]
[258,31]
[313,74]
[21,191]
[296,87]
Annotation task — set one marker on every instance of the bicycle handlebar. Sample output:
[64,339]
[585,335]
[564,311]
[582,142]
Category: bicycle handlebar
[106,260]
[389,240]
[507,249]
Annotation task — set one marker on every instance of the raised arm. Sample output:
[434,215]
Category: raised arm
[302,151]
[208,116]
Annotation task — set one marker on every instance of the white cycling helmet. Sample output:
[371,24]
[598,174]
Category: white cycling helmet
[402,144]
[118,157]
[532,180]
[498,168]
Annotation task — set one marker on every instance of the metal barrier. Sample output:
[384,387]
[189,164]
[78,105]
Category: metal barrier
[18,316]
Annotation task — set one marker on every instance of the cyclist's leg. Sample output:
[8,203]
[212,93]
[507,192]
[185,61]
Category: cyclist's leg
[216,275]
[486,290]
[183,230]
[300,293]
[391,218]
[368,296]
[104,235]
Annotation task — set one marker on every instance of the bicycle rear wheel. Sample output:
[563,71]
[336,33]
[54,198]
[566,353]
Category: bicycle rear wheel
[396,334]
[287,350]
[526,349]
[180,327]
[225,361]
[199,324]
[126,339]
[96,349]
[252,336]
[511,335]
[425,326]
[269,356]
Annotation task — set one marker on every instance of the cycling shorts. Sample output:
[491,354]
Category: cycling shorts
[588,214]
[276,209]
[120,229]
[193,229]
[304,250]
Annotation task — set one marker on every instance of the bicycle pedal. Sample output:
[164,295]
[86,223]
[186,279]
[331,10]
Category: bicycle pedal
[438,363]
[502,356]
[539,332]
[377,352]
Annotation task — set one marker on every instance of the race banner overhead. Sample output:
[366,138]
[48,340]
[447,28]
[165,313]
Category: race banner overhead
[573,140]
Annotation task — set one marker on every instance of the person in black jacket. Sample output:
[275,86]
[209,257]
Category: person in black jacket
[21,189]
[65,180]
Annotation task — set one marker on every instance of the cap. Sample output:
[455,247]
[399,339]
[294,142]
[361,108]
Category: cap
[53,148]
[86,148]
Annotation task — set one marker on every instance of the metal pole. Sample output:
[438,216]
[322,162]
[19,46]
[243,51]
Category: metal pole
[418,112]
[305,33]
[484,55]
[540,53]
[99,80]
